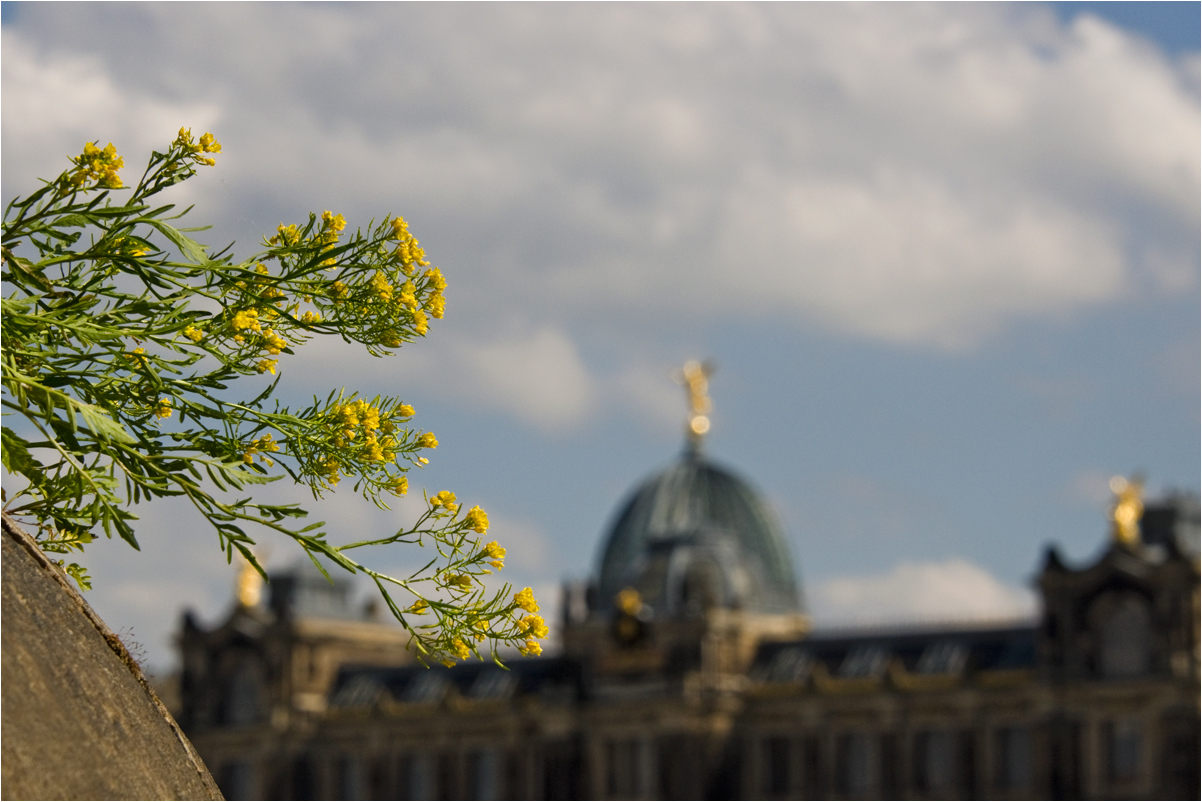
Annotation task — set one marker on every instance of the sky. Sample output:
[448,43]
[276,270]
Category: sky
[945,257]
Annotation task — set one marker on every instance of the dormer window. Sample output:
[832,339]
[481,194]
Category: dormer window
[943,657]
[863,662]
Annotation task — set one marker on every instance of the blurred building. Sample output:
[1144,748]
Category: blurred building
[688,671]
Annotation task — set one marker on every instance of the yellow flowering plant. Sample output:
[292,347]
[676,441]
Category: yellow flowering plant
[122,339]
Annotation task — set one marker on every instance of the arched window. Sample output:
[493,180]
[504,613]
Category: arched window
[1124,630]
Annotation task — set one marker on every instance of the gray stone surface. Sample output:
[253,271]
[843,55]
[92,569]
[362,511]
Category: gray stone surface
[78,719]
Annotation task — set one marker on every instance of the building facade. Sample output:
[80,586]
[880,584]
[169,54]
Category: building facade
[688,671]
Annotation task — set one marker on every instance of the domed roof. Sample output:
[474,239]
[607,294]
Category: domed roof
[696,536]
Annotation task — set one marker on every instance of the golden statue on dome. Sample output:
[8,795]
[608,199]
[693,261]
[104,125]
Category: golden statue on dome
[694,377]
[1128,509]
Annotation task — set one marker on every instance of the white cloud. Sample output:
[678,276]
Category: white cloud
[909,174]
[53,103]
[538,377]
[904,257]
[952,590]
[648,388]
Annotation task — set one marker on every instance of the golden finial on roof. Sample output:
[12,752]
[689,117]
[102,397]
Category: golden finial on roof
[1128,509]
[694,376]
[250,585]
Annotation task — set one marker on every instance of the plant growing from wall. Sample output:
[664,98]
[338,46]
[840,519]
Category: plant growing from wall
[125,342]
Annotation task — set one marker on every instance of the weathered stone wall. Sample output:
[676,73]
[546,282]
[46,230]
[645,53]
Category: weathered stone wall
[78,719]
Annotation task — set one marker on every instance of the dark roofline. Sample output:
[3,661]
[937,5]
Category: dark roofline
[932,629]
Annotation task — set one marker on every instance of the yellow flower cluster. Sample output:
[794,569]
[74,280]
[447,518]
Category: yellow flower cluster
[534,625]
[285,235]
[273,343]
[330,472]
[99,165]
[360,413]
[207,144]
[461,581]
[531,625]
[418,607]
[427,440]
[331,228]
[459,649]
[194,334]
[355,413]
[445,499]
[497,552]
[525,599]
[434,301]
[247,319]
[477,521]
[381,287]
[408,297]
[262,446]
[400,486]
[309,318]
[163,408]
[408,252]
[437,305]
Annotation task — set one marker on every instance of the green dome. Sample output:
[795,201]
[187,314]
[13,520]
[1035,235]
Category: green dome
[696,536]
